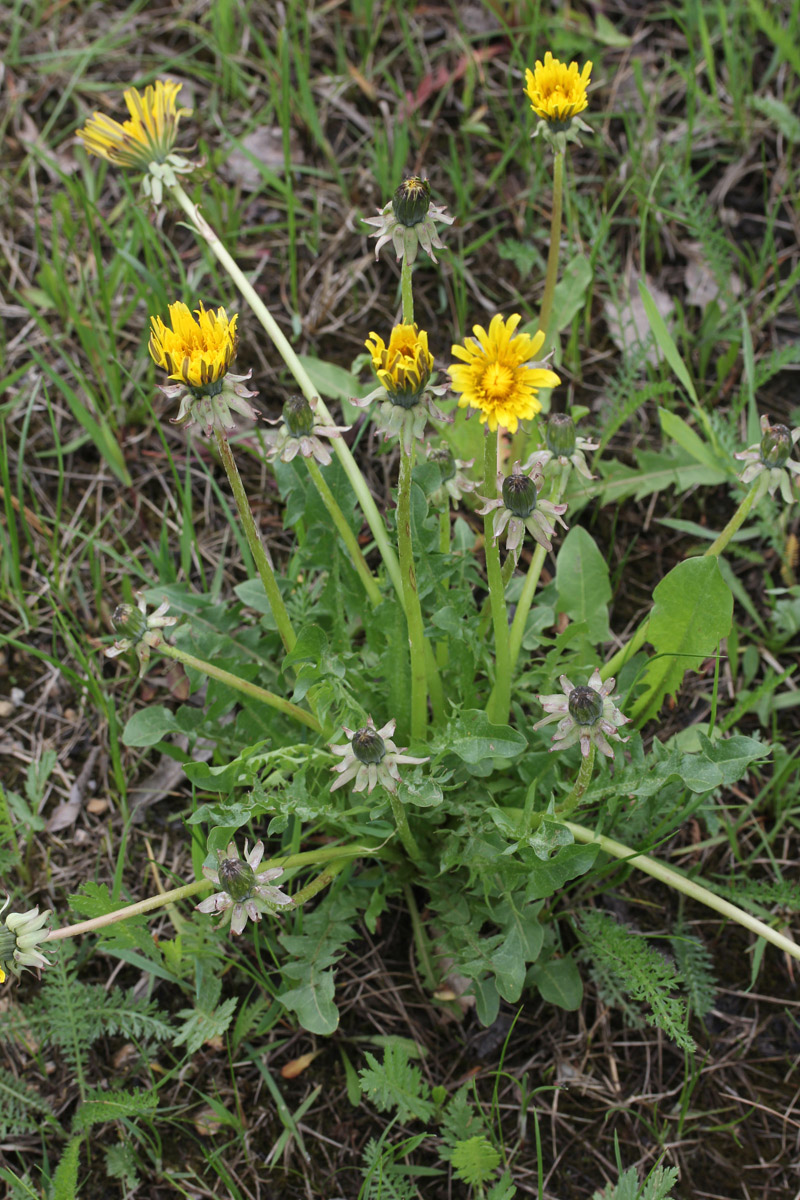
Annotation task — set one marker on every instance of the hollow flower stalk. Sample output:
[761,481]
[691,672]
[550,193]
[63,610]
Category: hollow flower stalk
[370,757]
[145,141]
[246,892]
[197,349]
[585,714]
[496,374]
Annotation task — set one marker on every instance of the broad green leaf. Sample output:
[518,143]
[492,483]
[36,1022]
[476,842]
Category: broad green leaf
[149,726]
[311,646]
[692,612]
[676,428]
[313,1003]
[664,340]
[583,585]
[474,739]
[559,982]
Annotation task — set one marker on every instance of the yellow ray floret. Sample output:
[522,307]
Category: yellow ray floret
[404,366]
[148,136]
[557,92]
[494,376]
[196,350]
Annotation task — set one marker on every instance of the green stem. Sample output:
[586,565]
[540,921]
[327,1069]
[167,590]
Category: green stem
[486,609]
[757,491]
[688,887]
[404,829]
[345,532]
[442,646]
[500,700]
[420,939]
[276,335]
[287,862]
[555,243]
[416,630]
[265,571]
[323,880]
[532,580]
[580,785]
[407,292]
[241,685]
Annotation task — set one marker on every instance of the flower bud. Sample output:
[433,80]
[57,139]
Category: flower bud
[298,415]
[519,494]
[776,445]
[412,200]
[560,435]
[237,878]
[130,621]
[443,457]
[368,745]
[585,705]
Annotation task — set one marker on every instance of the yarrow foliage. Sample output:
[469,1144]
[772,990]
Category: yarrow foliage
[496,374]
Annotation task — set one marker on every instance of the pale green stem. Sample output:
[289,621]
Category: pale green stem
[404,829]
[407,292]
[532,580]
[416,629]
[555,243]
[580,785]
[688,887]
[757,491]
[345,532]
[266,574]
[307,858]
[420,939]
[500,699]
[323,880]
[486,610]
[241,685]
[276,335]
[442,646]
[435,688]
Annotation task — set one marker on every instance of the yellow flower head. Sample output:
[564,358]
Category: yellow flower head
[147,137]
[556,91]
[404,366]
[197,351]
[494,374]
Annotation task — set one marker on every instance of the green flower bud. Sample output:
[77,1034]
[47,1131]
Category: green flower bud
[585,705]
[412,200]
[519,494]
[559,435]
[129,621]
[776,445]
[237,878]
[443,457]
[298,415]
[367,745]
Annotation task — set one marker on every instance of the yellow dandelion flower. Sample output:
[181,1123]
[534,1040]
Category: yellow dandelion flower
[557,92]
[147,137]
[197,351]
[495,375]
[404,366]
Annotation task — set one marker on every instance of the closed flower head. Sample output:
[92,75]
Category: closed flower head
[404,366]
[411,201]
[496,375]
[557,92]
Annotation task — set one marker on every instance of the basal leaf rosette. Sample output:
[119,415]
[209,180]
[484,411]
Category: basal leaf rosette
[198,349]
[404,370]
[146,139]
[497,375]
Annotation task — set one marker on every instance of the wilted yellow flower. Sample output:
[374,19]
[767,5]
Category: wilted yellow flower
[404,366]
[557,92]
[495,375]
[198,352]
[147,137]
